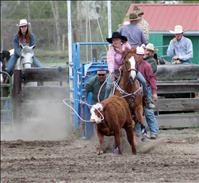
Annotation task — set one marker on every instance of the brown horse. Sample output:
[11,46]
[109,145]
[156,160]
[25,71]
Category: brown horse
[130,89]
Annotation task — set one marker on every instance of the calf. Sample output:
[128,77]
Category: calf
[110,116]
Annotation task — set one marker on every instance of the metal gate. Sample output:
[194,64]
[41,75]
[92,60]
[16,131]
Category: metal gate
[79,75]
[6,102]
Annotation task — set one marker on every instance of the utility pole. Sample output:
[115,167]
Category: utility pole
[109,18]
[69,47]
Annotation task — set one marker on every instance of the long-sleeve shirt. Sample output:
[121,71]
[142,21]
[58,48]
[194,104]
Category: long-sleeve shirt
[152,61]
[134,34]
[93,86]
[114,57]
[145,68]
[183,49]
[16,43]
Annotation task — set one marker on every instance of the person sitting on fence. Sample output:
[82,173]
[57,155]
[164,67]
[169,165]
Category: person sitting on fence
[180,48]
[115,54]
[23,37]
[149,51]
[96,86]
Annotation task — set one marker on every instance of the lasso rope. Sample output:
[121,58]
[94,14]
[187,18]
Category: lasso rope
[82,102]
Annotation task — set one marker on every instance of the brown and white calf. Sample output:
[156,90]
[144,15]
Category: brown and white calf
[110,116]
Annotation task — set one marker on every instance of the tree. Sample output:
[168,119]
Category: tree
[55,10]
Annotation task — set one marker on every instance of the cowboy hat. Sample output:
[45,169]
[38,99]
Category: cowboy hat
[178,29]
[150,46]
[138,11]
[134,17]
[140,50]
[116,35]
[23,22]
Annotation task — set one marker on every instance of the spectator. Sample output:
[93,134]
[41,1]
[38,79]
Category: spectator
[94,85]
[115,52]
[149,56]
[23,37]
[180,48]
[145,68]
[142,23]
[133,33]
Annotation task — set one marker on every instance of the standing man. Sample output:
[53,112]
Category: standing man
[94,85]
[145,68]
[180,48]
[133,33]
[142,23]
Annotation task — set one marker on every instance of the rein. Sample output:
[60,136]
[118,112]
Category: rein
[124,93]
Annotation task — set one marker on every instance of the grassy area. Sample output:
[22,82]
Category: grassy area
[52,58]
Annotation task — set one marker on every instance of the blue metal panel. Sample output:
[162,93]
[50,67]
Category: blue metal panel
[80,75]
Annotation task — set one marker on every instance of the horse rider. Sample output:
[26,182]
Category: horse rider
[23,37]
[119,45]
[180,48]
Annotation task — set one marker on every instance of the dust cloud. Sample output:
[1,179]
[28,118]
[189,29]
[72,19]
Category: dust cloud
[43,116]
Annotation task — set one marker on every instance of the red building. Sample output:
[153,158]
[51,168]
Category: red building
[163,17]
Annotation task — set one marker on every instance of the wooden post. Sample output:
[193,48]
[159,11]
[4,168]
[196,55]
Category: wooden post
[17,83]
[17,95]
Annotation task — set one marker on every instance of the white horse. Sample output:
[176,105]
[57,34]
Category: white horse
[26,59]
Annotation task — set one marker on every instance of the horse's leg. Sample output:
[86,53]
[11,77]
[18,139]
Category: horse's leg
[140,117]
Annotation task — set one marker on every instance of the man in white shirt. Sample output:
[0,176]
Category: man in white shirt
[180,48]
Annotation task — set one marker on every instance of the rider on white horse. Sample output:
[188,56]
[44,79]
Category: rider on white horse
[23,38]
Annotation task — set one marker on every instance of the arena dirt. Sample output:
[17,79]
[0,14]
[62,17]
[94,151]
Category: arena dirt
[173,157]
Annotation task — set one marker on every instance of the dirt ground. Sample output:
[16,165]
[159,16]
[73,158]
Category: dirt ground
[173,157]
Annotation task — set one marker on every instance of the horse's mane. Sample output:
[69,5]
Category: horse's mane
[128,53]
[27,49]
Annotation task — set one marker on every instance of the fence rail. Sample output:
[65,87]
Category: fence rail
[172,80]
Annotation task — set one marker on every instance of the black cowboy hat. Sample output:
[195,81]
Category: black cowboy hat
[116,35]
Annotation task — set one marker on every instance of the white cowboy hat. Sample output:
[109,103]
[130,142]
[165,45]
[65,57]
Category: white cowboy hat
[23,22]
[150,46]
[178,29]
[140,50]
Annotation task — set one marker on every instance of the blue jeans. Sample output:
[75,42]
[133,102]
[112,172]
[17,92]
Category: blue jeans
[150,119]
[13,59]
[185,61]
[109,86]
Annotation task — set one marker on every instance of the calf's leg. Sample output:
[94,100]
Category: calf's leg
[117,149]
[101,142]
[131,137]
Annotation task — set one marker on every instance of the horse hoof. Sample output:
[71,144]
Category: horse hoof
[100,152]
[116,151]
